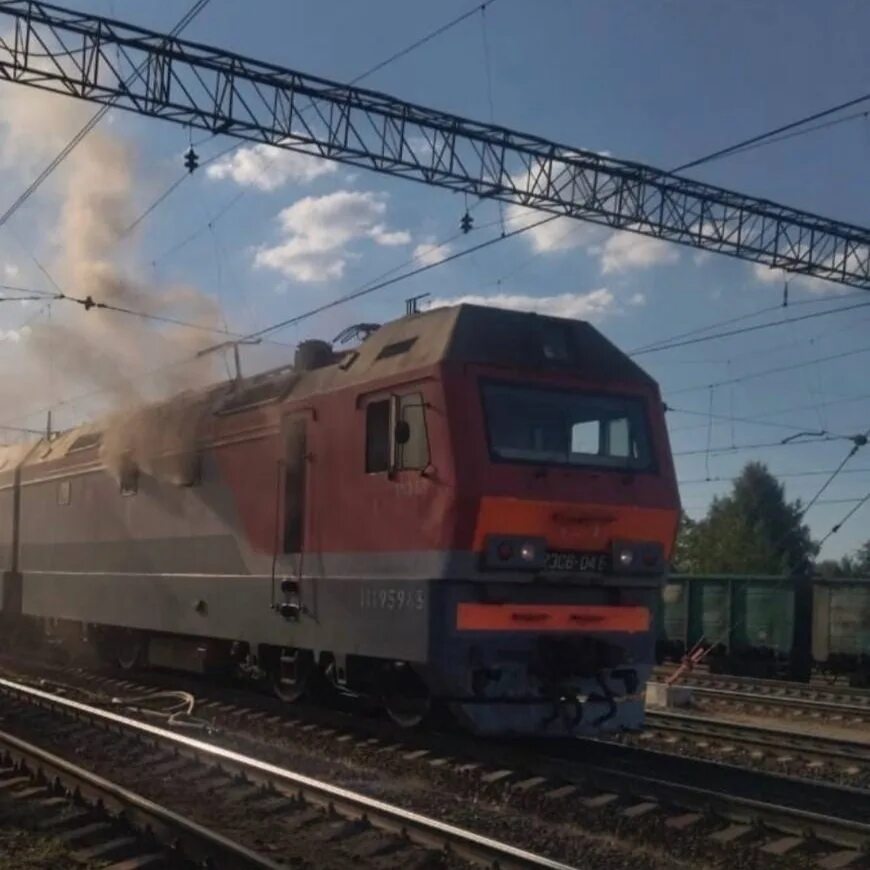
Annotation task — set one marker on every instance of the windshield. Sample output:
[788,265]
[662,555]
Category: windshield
[541,425]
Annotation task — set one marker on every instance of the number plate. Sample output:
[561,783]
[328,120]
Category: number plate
[578,563]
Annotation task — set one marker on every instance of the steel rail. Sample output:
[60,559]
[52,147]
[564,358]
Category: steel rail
[639,775]
[850,833]
[422,829]
[192,840]
[783,700]
[757,735]
[771,687]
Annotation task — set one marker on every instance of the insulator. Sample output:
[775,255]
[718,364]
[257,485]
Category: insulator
[466,223]
[191,159]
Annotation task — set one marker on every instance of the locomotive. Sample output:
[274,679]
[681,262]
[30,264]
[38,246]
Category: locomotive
[472,509]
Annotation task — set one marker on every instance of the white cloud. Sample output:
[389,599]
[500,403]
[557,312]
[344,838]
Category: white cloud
[10,270]
[430,253]
[594,305]
[383,236]
[14,335]
[779,276]
[621,251]
[268,168]
[318,230]
[561,234]
[637,299]
[624,251]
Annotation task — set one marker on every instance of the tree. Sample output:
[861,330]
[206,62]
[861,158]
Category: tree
[681,560]
[831,568]
[856,565]
[753,530]
[861,561]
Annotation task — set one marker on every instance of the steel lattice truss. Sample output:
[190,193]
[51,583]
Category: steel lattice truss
[104,61]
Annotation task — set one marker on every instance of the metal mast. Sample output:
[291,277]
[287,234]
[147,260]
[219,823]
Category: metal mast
[106,61]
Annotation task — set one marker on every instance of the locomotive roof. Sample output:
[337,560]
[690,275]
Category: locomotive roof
[459,333]
[487,336]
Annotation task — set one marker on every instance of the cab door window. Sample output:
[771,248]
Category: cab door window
[413,449]
[396,436]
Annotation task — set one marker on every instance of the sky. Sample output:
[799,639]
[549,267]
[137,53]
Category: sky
[267,235]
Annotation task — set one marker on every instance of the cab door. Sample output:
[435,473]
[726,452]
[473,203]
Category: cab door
[295,432]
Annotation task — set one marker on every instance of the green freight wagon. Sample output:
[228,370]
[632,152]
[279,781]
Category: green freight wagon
[752,625]
[841,628]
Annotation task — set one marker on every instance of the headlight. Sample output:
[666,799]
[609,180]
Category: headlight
[527,552]
[514,553]
[638,557]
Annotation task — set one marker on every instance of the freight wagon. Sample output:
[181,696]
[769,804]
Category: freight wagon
[769,626]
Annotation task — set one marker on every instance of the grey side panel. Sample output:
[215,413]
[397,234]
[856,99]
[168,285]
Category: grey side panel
[377,618]
[201,554]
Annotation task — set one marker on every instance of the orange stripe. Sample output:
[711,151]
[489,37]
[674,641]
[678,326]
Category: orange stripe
[551,617]
[574,526]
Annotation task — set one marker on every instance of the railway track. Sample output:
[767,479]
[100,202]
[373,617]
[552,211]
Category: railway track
[779,690]
[97,820]
[325,813]
[780,749]
[699,809]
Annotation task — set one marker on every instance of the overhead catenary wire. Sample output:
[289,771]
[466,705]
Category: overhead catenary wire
[823,501]
[341,300]
[842,400]
[260,334]
[761,137]
[754,421]
[746,329]
[236,198]
[697,481]
[837,526]
[377,286]
[767,309]
[89,302]
[739,379]
[762,445]
[858,441]
[92,122]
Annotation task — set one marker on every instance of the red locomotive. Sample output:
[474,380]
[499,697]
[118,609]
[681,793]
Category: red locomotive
[474,507]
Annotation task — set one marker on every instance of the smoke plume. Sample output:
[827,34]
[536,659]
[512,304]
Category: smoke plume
[125,360]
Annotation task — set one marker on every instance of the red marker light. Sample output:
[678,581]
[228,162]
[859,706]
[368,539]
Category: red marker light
[505,551]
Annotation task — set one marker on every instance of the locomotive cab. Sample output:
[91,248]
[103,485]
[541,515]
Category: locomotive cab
[570,513]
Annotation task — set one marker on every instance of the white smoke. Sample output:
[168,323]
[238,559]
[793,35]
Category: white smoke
[93,194]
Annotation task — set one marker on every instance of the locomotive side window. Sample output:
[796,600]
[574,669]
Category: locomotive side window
[378,437]
[563,427]
[413,453]
[396,429]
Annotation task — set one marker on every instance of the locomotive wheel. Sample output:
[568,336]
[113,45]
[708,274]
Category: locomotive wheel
[405,697]
[129,649]
[293,674]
